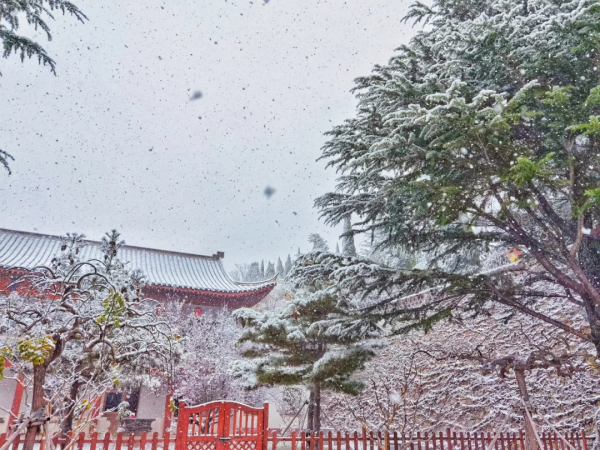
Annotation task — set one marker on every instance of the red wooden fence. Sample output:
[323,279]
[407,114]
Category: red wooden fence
[106,442]
[328,440]
[331,440]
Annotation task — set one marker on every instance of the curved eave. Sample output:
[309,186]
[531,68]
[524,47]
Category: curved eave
[257,284]
[244,290]
[230,300]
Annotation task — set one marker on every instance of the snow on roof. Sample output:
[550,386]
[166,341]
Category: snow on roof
[24,250]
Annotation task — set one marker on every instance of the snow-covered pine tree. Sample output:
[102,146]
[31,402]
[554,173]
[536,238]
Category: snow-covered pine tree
[254,272]
[302,343]
[262,269]
[337,248]
[319,244]
[288,264]
[456,153]
[280,270]
[270,272]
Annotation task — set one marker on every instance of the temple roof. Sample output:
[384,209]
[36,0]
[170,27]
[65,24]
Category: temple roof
[23,250]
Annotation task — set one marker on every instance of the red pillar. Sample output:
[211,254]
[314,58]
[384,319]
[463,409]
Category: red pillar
[16,404]
[168,413]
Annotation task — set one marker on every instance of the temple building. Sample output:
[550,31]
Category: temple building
[200,281]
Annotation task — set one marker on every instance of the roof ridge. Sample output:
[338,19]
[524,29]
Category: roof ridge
[89,241]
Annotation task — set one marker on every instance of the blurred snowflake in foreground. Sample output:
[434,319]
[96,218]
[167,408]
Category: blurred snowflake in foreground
[269,191]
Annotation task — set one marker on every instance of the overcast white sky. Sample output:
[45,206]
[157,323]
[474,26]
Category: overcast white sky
[115,142]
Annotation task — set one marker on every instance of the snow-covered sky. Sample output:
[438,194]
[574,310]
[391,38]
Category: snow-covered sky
[114,140]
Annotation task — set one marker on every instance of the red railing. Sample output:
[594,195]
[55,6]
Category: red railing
[106,442]
[328,440]
[331,440]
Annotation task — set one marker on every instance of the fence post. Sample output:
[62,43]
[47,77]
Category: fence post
[265,426]
[272,437]
[130,442]
[93,441]
[80,439]
[106,443]
[143,441]
[119,441]
[583,440]
[168,440]
[183,422]
[154,441]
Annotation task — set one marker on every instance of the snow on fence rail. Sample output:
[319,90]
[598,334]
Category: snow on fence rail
[106,442]
[326,440]
[330,440]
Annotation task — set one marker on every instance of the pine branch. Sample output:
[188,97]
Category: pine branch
[4,157]
[25,47]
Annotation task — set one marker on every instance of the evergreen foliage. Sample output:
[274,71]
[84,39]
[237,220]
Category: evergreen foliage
[288,264]
[34,12]
[270,272]
[4,158]
[319,244]
[280,270]
[478,137]
[254,272]
[302,343]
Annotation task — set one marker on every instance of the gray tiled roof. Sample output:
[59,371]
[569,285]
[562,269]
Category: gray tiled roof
[22,250]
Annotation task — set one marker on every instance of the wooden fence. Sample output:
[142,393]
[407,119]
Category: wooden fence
[329,440]
[106,442]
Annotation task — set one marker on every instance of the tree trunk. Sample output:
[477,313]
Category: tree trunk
[530,439]
[67,425]
[317,413]
[588,255]
[37,403]
[589,261]
[592,312]
[311,410]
